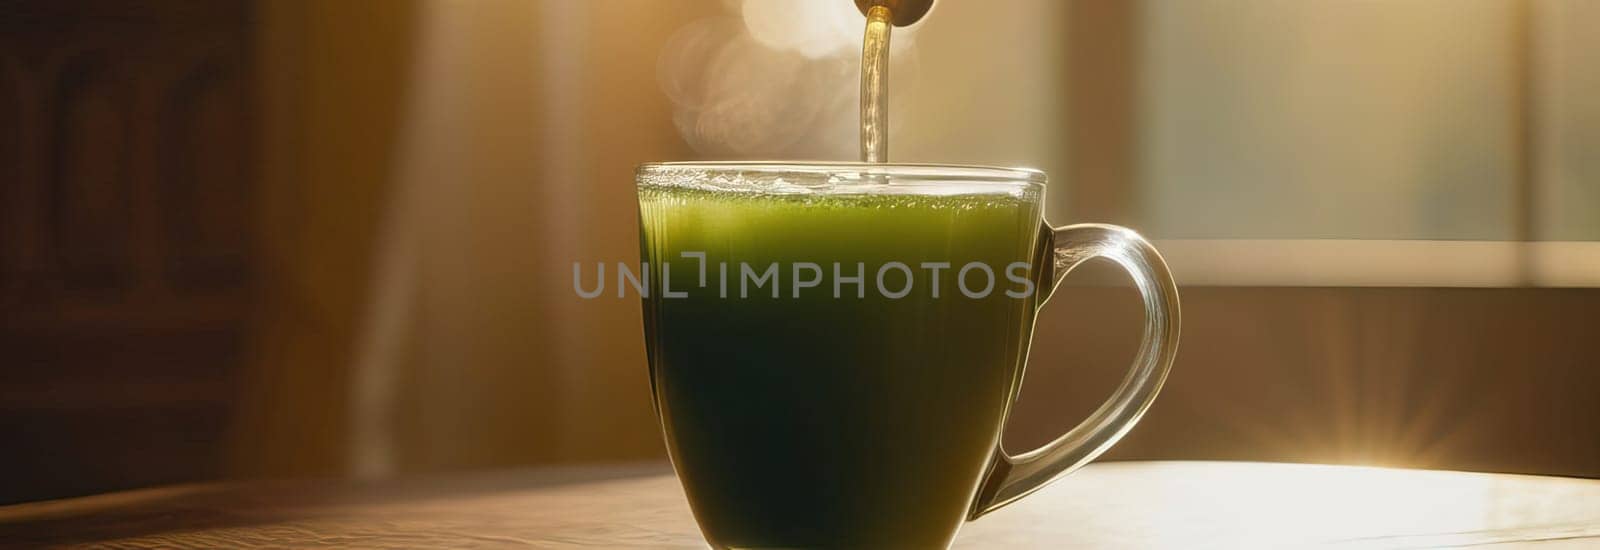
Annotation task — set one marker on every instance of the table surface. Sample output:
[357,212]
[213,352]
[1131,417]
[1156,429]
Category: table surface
[1110,505]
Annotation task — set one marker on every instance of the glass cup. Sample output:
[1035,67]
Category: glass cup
[834,348]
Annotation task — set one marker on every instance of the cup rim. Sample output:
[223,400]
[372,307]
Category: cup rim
[924,173]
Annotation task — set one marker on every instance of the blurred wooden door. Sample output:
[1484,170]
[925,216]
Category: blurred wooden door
[125,240]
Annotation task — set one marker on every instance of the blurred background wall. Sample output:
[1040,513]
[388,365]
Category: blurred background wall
[291,238]
[127,247]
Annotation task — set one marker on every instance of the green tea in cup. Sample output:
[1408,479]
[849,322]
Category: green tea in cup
[834,347]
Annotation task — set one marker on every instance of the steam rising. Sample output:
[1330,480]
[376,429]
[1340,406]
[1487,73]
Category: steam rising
[781,80]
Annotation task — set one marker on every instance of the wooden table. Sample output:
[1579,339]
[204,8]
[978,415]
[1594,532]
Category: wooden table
[1112,505]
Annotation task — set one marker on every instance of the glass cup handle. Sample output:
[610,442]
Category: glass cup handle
[1065,248]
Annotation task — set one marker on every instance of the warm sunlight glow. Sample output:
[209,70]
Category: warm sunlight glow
[1256,505]
[811,28]
[1315,504]
[773,79]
